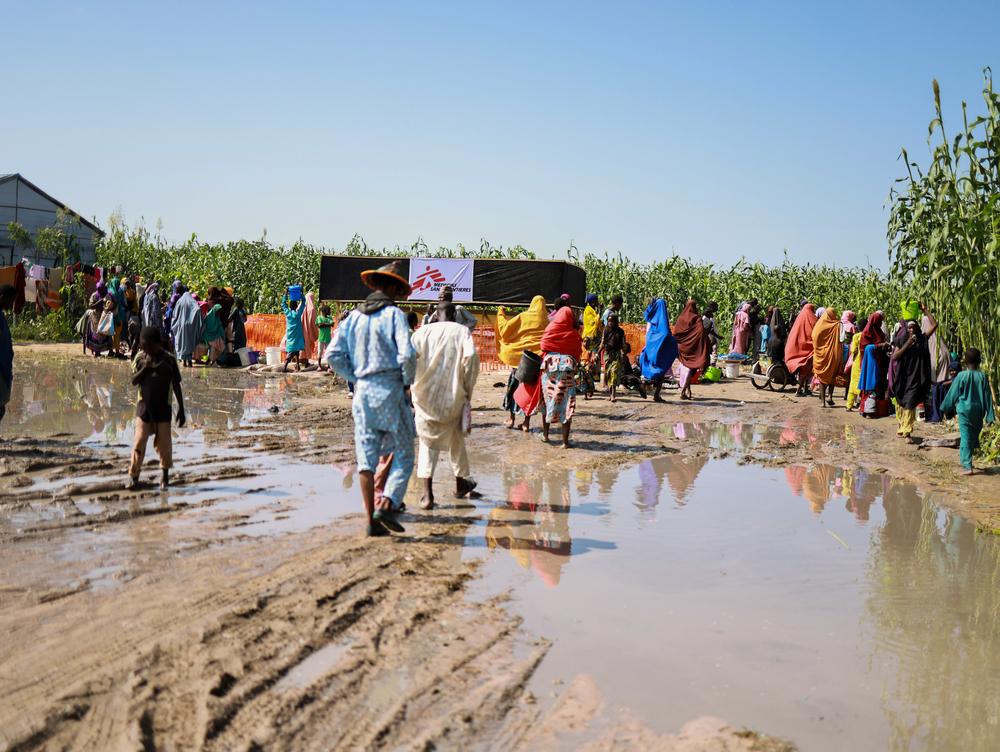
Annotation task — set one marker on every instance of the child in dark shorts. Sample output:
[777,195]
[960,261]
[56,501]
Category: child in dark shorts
[156,374]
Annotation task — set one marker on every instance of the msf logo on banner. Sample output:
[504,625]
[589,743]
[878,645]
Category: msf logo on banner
[431,279]
[429,275]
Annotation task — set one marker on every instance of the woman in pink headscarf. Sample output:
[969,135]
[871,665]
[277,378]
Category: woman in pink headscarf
[741,330]
[310,332]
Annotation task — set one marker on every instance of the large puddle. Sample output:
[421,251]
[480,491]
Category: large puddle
[835,607]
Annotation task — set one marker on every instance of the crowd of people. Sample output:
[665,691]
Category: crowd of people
[210,330]
[413,386]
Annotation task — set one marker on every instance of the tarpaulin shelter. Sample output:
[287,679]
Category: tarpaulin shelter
[488,281]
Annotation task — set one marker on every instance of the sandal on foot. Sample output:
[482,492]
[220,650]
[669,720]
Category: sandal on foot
[464,487]
[388,519]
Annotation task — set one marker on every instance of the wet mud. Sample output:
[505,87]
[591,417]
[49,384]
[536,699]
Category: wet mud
[747,557]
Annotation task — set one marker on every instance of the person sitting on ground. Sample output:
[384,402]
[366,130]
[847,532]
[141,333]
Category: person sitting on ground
[631,375]
[156,374]
[372,349]
[447,369]
[7,295]
[294,338]
[970,398]
[324,322]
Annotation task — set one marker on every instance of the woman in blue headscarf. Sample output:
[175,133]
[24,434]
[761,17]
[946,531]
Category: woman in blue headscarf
[660,351]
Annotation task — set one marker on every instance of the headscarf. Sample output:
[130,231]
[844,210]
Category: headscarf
[213,325]
[799,347]
[152,310]
[911,381]
[102,291]
[660,351]
[828,353]
[591,319]
[872,334]
[692,341]
[187,326]
[117,292]
[848,320]
[521,332]
[309,330]
[178,290]
[741,330]
[561,335]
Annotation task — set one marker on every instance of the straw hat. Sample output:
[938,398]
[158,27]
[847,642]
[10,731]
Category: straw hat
[391,271]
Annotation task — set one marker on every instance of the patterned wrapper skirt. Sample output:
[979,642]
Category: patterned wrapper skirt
[559,387]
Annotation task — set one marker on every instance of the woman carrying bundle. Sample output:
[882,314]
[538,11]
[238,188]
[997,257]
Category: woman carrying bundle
[660,352]
[693,349]
[516,335]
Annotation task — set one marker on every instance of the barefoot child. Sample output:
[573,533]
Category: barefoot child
[324,322]
[155,372]
[969,397]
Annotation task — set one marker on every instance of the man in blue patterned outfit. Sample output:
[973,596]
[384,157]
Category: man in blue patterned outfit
[372,350]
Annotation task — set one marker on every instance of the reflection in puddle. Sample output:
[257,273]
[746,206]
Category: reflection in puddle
[709,587]
[831,605]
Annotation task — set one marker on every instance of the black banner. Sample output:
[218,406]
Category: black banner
[495,281]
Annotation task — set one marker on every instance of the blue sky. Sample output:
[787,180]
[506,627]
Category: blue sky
[714,130]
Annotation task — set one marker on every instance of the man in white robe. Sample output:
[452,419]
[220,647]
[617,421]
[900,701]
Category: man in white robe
[447,369]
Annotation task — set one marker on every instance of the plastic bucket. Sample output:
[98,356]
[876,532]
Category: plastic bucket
[528,369]
[273,356]
[295,292]
[244,356]
[253,356]
[732,370]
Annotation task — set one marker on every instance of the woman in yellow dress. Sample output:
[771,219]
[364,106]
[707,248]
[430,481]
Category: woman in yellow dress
[855,357]
[515,335]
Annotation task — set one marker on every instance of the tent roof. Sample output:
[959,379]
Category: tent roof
[53,199]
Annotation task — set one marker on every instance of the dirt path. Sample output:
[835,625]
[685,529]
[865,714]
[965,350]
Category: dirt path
[135,619]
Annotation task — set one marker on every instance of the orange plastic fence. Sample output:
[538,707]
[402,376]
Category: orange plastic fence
[267,330]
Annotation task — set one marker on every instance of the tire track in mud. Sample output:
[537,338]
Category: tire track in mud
[208,674]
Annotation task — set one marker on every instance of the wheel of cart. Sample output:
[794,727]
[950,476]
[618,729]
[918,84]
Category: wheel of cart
[775,378]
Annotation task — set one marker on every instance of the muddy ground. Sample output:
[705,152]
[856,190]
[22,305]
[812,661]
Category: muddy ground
[213,617]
